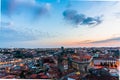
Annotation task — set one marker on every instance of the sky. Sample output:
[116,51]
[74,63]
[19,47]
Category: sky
[56,23]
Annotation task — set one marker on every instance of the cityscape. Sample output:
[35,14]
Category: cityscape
[60,39]
[60,63]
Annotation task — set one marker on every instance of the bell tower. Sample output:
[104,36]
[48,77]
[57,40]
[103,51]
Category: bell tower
[60,60]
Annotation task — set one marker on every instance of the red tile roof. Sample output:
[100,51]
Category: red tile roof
[44,77]
[41,74]
[34,76]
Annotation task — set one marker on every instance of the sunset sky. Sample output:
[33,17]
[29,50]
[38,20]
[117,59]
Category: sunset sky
[55,23]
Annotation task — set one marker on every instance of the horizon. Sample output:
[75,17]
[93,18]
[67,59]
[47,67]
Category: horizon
[52,47]
[56,23]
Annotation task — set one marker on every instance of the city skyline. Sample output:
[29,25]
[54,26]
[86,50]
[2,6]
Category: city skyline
[55,23]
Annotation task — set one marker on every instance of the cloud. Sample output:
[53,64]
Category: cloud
[117,15]
[91,21]
[115,39]
[69,14]
[91,43]
[8,34]
[107,40]
[10,7]
[80,19]
[6,23]
[11,35]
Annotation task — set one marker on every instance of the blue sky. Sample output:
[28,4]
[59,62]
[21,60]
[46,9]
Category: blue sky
[55,23]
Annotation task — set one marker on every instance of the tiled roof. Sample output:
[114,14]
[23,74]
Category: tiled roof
[92,77]
[8,77]
[34,76]
[44,77]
